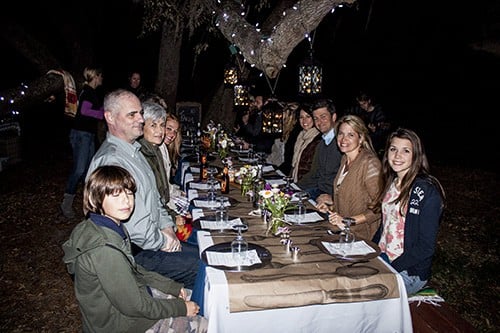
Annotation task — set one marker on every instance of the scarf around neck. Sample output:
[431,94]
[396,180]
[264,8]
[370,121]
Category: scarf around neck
[303,139]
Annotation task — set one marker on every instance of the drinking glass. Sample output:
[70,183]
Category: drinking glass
[239,246]
[288,186]
[250,151]
[221,213]
[346,237]
[211,196]
[300,211]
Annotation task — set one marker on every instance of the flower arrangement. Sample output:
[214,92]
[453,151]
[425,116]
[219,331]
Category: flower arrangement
[276,202]
[245,176]
[223,144]
[216,138]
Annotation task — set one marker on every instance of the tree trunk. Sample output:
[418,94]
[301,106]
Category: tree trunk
[168,63]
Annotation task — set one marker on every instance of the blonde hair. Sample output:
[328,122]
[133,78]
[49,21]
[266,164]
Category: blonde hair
[358,125]
[289,119]
[174,148]
[90,73]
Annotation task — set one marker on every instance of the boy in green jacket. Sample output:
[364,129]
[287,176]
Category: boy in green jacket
[114,293]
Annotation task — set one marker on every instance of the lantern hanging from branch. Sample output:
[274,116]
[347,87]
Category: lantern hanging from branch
[241,97]
[230,75]
[310,76]
[272,118]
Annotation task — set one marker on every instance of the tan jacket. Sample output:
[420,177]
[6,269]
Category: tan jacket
[358,190]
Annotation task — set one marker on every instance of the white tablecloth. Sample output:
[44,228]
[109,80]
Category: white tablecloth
[389,315]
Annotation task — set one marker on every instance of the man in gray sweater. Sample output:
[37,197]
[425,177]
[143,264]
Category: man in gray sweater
[326,160]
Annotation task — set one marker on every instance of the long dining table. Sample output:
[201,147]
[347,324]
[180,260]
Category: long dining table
[311,291]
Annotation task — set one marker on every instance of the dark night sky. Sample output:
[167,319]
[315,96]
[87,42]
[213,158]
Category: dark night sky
[414,57]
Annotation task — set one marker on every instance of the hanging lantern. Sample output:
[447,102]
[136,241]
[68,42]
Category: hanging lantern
[310,76]
[272,118]
[230,75]
[241,95]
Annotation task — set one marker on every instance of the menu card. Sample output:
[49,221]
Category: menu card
[226,259]
[308,218]
[216,225]
[202,186]
[209,204]
[358,248]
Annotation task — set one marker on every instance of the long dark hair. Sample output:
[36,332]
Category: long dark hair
[418,168]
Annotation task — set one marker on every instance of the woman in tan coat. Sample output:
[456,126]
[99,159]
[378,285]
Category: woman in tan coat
[358,181]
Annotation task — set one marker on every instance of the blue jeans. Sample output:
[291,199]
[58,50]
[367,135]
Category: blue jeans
[412,283]
[181,266]
[83,145]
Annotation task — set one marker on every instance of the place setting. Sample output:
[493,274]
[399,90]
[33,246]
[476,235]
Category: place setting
[237,255]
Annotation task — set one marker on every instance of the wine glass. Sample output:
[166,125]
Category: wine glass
[346,237]
[221,213]
[211,196]
[288,186]
[211,171]
[239,246]
[300,211]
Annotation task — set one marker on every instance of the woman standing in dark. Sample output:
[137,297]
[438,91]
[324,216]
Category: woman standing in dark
[83,134]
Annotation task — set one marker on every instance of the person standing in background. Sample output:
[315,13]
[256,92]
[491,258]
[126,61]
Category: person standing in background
[136,86]
[375,119]
[83,134]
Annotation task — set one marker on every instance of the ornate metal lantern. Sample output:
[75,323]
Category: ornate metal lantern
[272,118]
[230,75]
[310,76]
[241,97]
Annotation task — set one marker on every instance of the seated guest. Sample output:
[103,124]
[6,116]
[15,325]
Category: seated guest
[305,144]
[114,293]
[150,226]
[412,206]
[358,181]
[282,148]
[327,156]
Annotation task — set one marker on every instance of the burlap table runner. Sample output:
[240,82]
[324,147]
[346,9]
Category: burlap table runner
[314,278]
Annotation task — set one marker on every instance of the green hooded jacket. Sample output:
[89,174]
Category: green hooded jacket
[110,287]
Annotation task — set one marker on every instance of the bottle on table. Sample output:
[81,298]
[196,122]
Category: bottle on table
[203,167]
[224,186]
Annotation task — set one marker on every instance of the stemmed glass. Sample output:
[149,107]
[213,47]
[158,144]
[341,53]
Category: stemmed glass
[211,196]
[346,236]
[288,186]
[221,214]
[261,157]
[239,246]
[300,212]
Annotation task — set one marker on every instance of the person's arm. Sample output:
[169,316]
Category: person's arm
[120,285]
[87,110]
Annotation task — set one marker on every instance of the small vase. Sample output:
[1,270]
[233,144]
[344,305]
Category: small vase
[246,186]
[222,153]
[274,223]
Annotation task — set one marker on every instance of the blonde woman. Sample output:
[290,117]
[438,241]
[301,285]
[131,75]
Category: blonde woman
[82,136]
[358,182]
[278,150]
